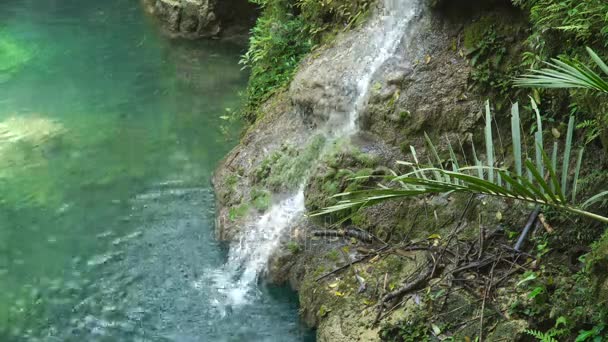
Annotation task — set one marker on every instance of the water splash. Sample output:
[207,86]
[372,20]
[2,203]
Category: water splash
[249,257]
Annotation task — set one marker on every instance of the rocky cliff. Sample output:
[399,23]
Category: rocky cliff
[425,87]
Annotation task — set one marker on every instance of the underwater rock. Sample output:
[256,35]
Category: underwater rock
[31,131]
[13,56]
[34,130]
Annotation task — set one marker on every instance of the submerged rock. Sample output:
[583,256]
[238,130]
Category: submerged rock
[34,130]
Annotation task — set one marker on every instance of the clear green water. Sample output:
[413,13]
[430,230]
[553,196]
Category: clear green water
[108,137]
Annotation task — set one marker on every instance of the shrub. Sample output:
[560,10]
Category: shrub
[285,32]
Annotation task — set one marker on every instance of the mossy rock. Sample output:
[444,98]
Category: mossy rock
[286,168]
[597,264]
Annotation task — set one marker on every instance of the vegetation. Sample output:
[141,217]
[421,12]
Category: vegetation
[488,179]
[556,174]
[579,22]
[286,168]
[564,73]
[285,32]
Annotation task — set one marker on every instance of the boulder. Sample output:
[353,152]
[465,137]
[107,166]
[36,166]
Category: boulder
[201,18]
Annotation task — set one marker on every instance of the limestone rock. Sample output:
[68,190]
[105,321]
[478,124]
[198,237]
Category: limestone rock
[201,18]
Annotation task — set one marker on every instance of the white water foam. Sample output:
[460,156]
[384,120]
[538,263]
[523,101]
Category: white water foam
[248,258]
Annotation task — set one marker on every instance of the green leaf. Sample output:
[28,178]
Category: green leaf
[530,276]
[567,152]
[516,137]
[579,162]
[489,142]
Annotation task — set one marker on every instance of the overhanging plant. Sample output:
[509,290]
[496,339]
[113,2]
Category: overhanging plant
[568,74]
[537,180]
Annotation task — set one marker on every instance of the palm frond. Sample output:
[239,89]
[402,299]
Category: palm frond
[562,73]
[535,187]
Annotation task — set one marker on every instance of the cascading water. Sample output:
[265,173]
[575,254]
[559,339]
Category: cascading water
[249,257]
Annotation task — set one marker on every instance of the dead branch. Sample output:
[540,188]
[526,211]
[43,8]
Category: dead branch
[358,234]
[413,285]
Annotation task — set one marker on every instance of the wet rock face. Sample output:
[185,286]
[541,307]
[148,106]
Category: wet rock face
[424,87]
[201,18]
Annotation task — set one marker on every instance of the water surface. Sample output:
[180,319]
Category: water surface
[108,137]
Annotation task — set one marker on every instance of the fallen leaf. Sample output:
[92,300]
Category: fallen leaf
[436,329]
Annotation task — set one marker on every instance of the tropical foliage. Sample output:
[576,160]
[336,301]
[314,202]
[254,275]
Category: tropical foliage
[285,32]
[581,21]
[565,73]
[533,178]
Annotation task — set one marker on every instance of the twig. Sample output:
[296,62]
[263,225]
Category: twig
[527,227]
[487,290]
[545,224]
[481,239]
[483,308]
[358,234]
[453,233]
[385,280]
[410,286]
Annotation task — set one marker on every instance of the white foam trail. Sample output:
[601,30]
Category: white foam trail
[248,258]
[258,242]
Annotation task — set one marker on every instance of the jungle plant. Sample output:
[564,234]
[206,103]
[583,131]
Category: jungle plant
[582,21]
[277,43]
[532,179]
[564,73]
[285,32]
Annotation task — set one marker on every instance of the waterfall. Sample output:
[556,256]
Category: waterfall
[249,256]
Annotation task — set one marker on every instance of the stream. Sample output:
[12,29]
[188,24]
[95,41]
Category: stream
[109,134]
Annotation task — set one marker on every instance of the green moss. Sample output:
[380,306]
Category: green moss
[232,180]
[260,199]
[294,247]
[474,33]
[286,169]
[238,212]
[333,255]
[345,169]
